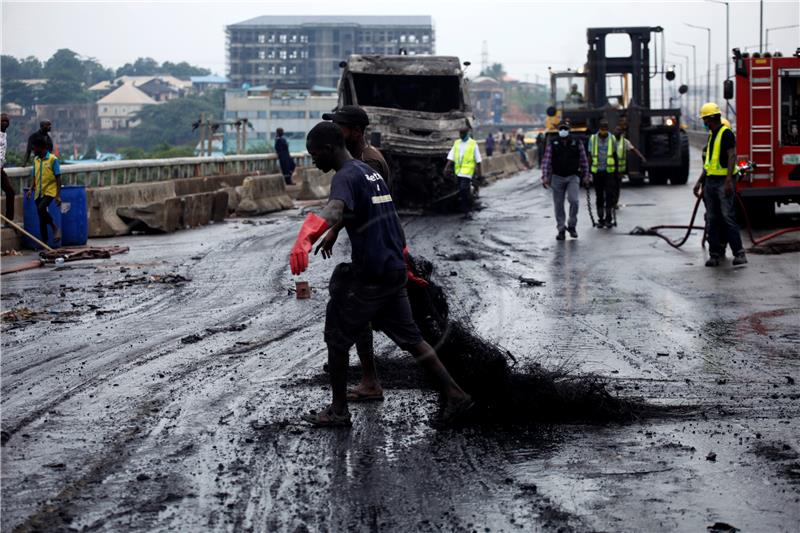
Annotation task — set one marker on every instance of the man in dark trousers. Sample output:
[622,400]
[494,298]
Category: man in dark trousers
[717,187]
[284,157]
[372,287]
[8,189]
[353,121]
[564,167]
[489,144]
[44,133]
[45,187]
[603,161]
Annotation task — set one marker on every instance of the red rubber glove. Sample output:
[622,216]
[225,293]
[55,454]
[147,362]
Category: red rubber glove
[312,229]
[413,278]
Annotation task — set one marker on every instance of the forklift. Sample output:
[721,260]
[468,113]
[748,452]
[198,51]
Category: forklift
[617,89]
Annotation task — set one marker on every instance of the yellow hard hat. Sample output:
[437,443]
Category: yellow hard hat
[708,109]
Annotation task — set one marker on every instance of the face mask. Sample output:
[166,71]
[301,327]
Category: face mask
[705,126]
[465,137]
[563,133]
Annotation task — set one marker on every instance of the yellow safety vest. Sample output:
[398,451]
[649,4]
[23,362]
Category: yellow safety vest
[465,164]
[711,163]
[594,147]
[44,175]
[622,155]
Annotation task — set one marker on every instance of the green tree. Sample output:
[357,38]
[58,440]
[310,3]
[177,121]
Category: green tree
[495,71]
[22,69]
[183,70]
[64,65]
[18,93]
[64,91]
[171,122]
[143,66]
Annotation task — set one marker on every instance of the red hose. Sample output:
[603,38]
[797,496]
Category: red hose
[766,237]
[677,244]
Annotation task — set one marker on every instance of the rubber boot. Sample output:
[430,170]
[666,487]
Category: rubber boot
[609,217]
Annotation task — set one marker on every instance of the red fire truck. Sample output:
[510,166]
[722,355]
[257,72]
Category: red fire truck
[767,131]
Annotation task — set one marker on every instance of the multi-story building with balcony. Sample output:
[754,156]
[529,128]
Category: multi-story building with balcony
[266,110]
[303,51]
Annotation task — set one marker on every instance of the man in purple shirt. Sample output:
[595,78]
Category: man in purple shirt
[564,167]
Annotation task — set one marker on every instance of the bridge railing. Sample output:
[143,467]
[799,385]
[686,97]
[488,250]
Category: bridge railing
[143,170]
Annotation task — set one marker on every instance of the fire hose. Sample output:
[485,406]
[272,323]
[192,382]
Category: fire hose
[655,230]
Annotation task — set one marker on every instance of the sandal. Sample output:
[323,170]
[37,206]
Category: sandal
[454,413]
[327,418]
[358,395]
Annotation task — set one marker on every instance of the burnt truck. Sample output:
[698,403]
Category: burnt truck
[416,105]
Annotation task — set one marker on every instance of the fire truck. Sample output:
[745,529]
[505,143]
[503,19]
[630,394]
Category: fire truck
[767,131]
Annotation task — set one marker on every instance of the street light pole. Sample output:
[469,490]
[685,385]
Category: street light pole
[684,72]
[727,43]
[761,27]
[694,76]
[779,28]
[708,69]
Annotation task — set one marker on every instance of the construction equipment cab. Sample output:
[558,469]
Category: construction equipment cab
[617,88]
[767,131]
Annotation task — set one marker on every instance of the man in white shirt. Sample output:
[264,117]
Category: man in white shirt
[464,159]
[7,187]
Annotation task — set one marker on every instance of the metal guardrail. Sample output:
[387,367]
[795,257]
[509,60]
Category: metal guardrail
[144,170]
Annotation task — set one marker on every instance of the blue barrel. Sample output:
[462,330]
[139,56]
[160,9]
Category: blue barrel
[74,218]
[31,221]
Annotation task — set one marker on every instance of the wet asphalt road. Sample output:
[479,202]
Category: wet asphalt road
[150,403]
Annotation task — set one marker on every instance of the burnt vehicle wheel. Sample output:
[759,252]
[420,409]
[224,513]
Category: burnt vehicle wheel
[658,176]
[681,174]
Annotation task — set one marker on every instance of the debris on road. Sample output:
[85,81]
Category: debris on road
[197,337]
[711,456]
[463,256]
[82,253]
[531,282]
[527,395]
[721,527]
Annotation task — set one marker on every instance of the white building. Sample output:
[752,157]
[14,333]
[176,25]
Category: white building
[116,110]
[294,110]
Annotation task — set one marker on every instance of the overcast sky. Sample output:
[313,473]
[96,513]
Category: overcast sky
[525,36]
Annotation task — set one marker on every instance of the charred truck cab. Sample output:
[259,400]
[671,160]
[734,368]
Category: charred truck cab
[416,105]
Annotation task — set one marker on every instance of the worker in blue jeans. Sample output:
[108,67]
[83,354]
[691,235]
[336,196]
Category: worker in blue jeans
[717,187]
[464,159]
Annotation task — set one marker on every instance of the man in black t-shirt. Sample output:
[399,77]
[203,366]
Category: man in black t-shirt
[42,133]
[717,187]
[370,289]
[353,121]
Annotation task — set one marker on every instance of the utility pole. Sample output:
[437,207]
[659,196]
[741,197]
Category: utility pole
[693,86]
[485,56]
[761,28]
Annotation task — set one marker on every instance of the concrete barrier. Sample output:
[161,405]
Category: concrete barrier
[316,185]
[103,202]
[149,170]
[165,216]
[197,209]
[259,195]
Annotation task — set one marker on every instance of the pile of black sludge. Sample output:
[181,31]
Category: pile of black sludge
[504,393]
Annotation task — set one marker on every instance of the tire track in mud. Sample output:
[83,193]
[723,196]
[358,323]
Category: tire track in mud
[138,361]
[143,312]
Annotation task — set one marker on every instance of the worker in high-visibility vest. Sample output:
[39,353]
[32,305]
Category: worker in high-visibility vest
[603,166]
[465,160]
[623,147]
[717,187]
